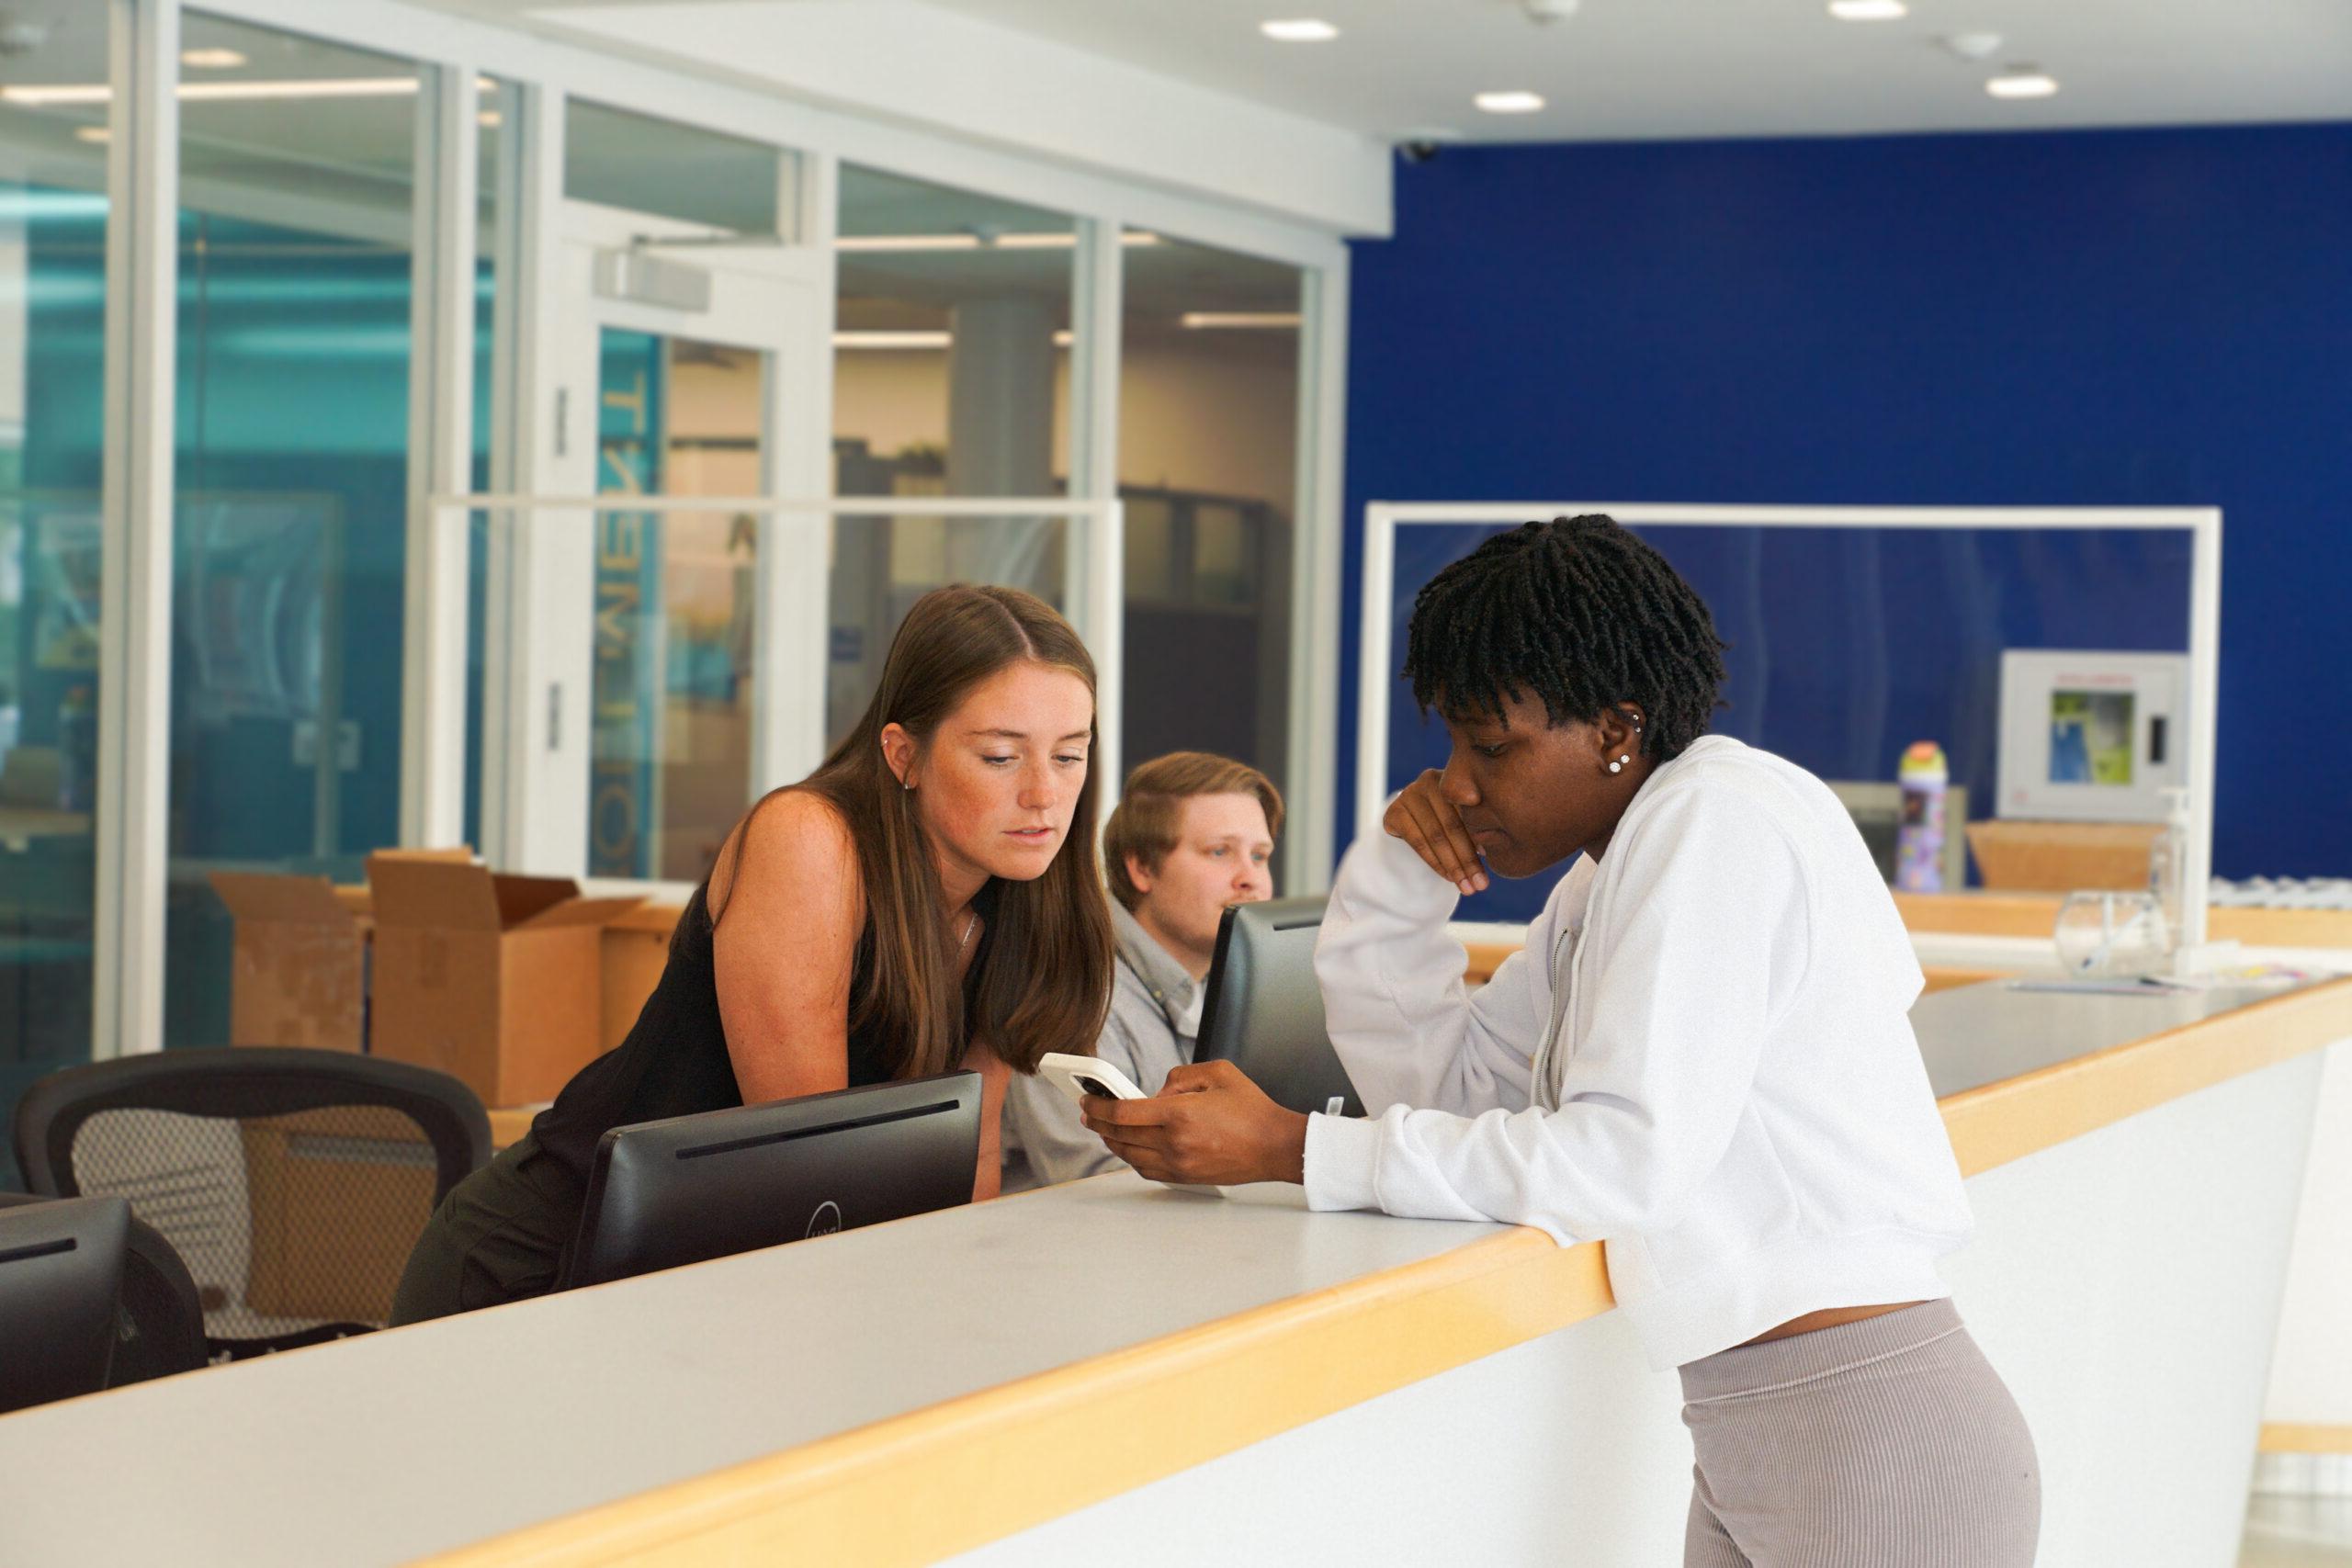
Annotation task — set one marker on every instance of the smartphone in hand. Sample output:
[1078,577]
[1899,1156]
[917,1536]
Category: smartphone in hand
[1082,1076]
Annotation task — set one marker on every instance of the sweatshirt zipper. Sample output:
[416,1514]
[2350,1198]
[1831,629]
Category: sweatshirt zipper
[1546,1098]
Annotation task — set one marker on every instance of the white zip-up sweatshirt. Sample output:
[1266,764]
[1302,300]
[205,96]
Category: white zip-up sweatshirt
[1705,1057]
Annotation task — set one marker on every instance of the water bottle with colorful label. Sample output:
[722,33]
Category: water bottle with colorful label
[1920,837]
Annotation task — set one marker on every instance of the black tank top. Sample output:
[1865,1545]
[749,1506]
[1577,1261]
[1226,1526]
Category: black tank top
[674,1061]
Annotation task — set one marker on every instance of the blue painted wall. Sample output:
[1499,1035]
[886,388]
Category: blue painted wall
[2079,319]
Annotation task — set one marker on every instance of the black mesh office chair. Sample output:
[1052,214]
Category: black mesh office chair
[60,1273]
[159,1325]
[291,1183]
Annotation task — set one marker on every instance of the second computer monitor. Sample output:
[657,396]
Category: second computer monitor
[1264,1011]
[693,1187]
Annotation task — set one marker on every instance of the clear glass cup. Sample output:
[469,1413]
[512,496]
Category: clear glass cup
[2108,934]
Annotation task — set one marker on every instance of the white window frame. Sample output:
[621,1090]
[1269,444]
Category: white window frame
[1375,665]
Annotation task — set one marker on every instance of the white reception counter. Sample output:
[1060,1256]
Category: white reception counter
[1108,1372]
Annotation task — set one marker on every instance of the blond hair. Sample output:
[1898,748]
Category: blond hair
[1144,822]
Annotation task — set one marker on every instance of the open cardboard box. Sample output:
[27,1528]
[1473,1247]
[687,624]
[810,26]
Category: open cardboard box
[2060,857]
[299,964]
[298,970]
[338,1198]
[493,978]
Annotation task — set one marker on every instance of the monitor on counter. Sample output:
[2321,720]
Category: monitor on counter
[1264,1011]
[693,1187]
[2092,736]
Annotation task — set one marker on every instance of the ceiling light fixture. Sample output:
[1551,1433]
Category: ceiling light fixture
[918,244]
[2022,81]
[490,117]
[1247,321]
[1299,29]
[893,339]
[1869,10]
[211,59]
[47,97]
[97,133]
[1513,102]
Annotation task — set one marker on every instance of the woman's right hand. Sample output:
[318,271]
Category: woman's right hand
[1423,818]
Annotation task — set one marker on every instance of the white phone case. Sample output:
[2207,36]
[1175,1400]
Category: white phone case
[1082,1076]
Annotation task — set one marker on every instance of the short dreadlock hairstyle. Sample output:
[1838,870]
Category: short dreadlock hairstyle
[1579,611]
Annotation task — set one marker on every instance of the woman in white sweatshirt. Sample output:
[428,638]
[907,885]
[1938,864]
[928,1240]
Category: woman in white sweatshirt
[1703,1057]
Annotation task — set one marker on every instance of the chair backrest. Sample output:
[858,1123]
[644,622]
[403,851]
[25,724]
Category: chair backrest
[291,1183]
[61,1272]
[159,1325]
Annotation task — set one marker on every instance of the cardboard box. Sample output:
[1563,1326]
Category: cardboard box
[492,978]
[299,968]
[338,1197]
[636,950]
[2063,857]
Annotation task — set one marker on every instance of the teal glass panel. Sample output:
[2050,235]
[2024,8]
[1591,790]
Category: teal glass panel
[53,339]
[291,475]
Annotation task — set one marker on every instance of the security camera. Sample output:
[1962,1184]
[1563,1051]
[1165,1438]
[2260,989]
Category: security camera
[1417,152]
[20,34]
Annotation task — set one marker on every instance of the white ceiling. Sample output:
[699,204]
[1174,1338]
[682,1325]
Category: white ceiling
[1684,68]
[1620,69]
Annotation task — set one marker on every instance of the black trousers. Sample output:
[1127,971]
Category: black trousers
[500,1235]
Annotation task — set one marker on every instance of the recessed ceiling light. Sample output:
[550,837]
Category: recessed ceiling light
[1869,10]
[211,59]
[1510,103]
[1299,29]
[97,133]
[2022,81]
[490,117]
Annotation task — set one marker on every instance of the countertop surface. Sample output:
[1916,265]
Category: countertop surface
[420,1439]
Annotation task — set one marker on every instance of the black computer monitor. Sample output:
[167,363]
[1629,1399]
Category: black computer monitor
[61,1279]
[691,1187]
[1264,1011]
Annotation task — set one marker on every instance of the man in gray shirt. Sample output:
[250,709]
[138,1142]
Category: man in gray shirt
[1192,835]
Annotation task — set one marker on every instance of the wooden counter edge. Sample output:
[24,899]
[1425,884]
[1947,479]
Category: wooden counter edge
[1121,1421]
[2293,1437]
[2018,1116]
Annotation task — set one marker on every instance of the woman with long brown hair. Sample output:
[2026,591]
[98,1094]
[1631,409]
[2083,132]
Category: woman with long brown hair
[927,899]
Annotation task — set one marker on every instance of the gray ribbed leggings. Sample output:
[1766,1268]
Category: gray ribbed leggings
[1887,1441]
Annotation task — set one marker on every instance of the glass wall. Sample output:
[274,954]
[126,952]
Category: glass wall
[951,377]
[52,335]
[675,595]
[297,175]
[291,466]
[640,164]
[1208,464]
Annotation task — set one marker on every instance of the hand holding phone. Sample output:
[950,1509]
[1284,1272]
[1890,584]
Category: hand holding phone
[1082,1076]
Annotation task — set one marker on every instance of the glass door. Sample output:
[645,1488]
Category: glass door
[678,347]
[672,671]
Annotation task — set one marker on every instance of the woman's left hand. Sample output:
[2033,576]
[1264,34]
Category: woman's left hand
[1210,1125]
